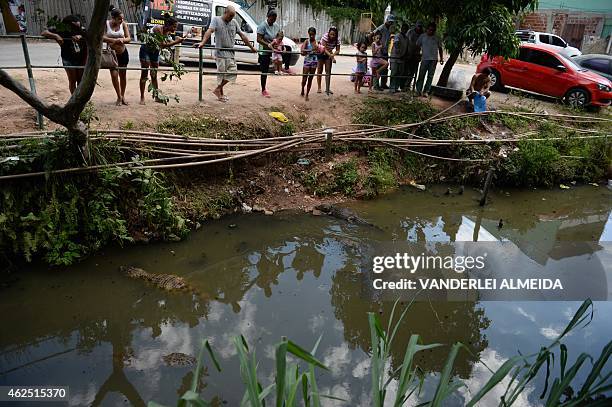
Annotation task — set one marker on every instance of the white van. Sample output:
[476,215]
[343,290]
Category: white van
[553,40]
[194,17]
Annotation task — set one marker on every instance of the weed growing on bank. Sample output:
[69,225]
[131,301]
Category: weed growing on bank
[560,154]
[212,127]
[62,219]
[560,157]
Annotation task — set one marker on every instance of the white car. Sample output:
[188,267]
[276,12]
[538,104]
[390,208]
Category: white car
[560,45]
[194,17]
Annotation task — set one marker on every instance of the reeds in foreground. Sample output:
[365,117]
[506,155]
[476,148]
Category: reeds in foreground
[290,383]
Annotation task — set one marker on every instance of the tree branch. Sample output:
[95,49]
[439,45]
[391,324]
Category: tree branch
[68,115]
[86,87]
[53,112]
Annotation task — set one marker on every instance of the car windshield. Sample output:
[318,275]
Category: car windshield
[571,63]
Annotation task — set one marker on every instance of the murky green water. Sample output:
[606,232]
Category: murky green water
[104,335]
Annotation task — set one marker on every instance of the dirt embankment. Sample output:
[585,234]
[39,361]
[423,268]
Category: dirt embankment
[245,101]
[266,183]
[263,183]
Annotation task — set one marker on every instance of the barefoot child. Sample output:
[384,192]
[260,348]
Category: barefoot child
[277,55]
[362,66]
[378,64]
[309,50]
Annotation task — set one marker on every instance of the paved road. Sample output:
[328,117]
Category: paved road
[47,53]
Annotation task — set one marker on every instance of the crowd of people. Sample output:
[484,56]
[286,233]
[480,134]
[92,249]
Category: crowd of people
[396,62]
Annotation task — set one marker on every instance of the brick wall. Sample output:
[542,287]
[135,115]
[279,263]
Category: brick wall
[558,22]
[538,22]
[534,21]
[558,19]
[592,24]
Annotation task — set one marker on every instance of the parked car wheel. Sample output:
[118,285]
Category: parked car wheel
[577,97]
[496,82]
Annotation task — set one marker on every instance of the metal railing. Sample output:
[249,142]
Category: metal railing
[29,67]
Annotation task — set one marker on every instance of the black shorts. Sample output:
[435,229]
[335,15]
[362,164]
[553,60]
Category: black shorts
[123,59]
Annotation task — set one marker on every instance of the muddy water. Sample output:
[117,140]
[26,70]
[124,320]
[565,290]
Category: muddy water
[105,336]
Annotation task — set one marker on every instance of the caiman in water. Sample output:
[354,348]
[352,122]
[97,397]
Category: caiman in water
[177,359]
[344,214]
[167,282]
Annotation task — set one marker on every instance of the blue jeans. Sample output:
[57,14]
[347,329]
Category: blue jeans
[428,67]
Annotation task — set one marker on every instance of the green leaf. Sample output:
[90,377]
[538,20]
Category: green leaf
[281,366]
[559,386]
[596,370]
[444,385]
[329,396]
[247,371]
[212,355]
[194,398]
[305,390]
[375,337]
[303,354]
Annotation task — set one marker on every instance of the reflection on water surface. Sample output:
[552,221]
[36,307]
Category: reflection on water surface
[293,274]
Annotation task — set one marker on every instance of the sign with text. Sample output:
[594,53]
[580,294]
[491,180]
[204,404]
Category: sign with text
[487,271]
[187,12]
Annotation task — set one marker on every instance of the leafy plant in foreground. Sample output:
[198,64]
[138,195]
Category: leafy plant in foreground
[520,370]
[288,383]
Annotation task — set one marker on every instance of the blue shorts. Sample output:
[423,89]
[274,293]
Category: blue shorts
[146,55]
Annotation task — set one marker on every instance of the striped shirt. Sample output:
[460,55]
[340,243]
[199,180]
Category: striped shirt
[329,45]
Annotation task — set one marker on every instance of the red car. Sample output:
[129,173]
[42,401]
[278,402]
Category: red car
[540,69]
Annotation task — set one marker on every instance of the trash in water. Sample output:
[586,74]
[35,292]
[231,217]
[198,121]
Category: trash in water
[418,186]
[303,161]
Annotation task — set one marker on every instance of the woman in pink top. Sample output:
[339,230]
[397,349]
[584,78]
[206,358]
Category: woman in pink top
[331,47]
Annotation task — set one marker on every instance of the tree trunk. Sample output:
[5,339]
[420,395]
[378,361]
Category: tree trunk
[448,66]
[69,114]
[79,134]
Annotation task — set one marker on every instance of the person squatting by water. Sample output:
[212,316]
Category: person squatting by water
[225,29]
[309,50]
[478,91]
[70,36]
[330,44]
[117,34]
[149,52]
[431,45]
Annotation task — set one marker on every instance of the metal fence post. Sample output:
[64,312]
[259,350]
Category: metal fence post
[26,56]
[200,67]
